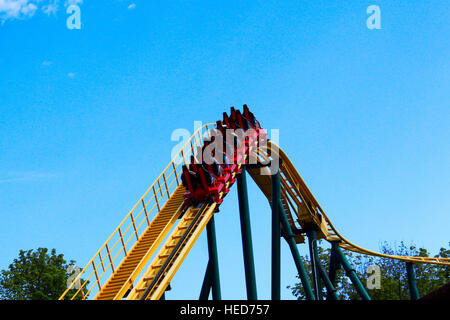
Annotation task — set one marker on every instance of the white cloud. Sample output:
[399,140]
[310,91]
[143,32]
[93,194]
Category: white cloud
[71,74]
[26,176]
[29,9]
[132,6]
[16,9]
[22,9]
[50,8]
[47,63]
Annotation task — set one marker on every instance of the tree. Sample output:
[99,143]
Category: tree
[394,282]
[35,275]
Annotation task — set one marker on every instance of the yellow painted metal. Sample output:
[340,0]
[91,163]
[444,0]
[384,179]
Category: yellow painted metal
[262,178]
[119,283]
[181,240]
[160,208]
[105,262]
[312,212]
[177,246]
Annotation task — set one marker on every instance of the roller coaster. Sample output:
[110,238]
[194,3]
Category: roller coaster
[168,219]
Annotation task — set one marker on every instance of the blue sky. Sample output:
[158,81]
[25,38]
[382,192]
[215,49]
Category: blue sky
[86,118]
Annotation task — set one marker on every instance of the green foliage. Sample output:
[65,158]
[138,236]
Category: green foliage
[35,275]
[394,282]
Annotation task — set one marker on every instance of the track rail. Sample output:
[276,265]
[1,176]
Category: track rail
[314,209]
[106,278]
[157,277]
[104,265]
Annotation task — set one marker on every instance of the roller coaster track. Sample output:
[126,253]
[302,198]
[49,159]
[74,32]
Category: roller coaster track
[113,272]
[291,180]
[163,268]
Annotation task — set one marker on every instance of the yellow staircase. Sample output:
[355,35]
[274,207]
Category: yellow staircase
[123,278]
[140,233]
[160,272]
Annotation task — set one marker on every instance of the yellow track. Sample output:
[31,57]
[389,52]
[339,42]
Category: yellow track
[118,284]
[310,210]
[172,254]
[142,231]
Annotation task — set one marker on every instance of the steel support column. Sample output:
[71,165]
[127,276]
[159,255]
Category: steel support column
[290,239]
[314,258]
[334,266]
[412,281]
[276,235]
[331,289]
[350,272]
[247,245]
[213,259]
[206,286]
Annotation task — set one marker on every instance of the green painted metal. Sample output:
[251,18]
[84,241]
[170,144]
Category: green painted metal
[334,266]
[317,260]
[350,272]
[414,292]
[334,263]
[276,237]
[213,259]
[206,286]
[246,232]
[331,290]
[313,256]
[290,239]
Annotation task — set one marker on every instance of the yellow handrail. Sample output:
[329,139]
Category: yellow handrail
[161,191]
[346,244]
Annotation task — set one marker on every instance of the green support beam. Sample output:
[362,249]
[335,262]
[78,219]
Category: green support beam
[290,239]
[246,232]
[317,260]
[276,237]
[314,257]
[331,290]
[349,271]
[334,266]
[213,259]
[206,286]
[412,281]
